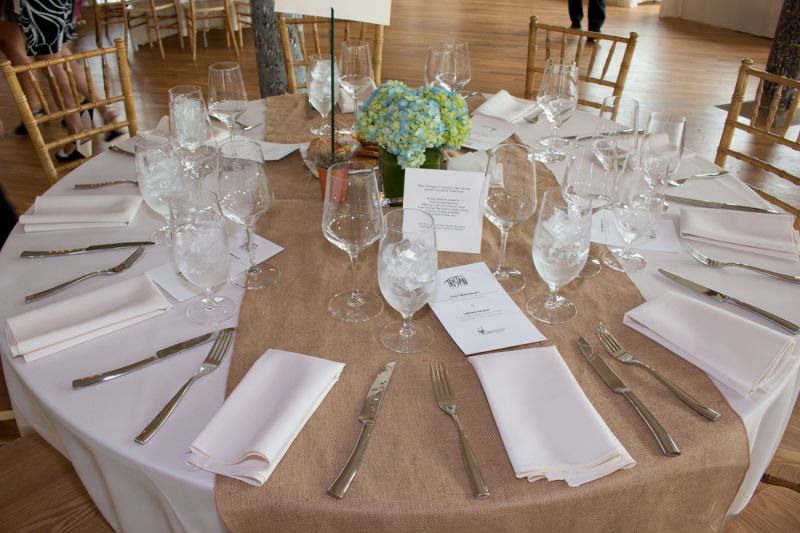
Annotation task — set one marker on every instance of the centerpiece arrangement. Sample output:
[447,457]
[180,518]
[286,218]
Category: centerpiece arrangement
[411,126]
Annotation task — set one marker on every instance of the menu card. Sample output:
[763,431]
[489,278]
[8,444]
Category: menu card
[488,132]
[477,313]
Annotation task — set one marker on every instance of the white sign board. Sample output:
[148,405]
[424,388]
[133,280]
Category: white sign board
[373,11]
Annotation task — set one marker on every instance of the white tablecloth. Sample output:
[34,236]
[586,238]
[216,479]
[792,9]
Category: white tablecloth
[149,488]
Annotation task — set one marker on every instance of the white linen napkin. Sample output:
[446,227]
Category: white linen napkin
[743,355]
[81,211]
[506,107]
[67,323]
[760,233]
[254,428]
[566,440]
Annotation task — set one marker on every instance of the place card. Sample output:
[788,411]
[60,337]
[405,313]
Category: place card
[477,313]
[488,132]
[169,278]
[453,199]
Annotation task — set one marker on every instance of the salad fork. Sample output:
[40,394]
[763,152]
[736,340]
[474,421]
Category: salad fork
[680,181]
[122,267]
[613,347]
[714,263]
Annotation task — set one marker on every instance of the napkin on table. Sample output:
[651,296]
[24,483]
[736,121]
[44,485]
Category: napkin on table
[67,323]
[81,211]
[548,426]
[254,428]
[506,107]
[743,355]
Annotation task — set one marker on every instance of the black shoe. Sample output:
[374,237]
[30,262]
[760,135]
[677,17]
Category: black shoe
[113,134]
[75,155]
[21,129]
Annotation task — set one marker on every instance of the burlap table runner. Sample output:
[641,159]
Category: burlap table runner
[412,477]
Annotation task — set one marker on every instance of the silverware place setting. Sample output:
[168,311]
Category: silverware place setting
[121,150]
[718,205]
[715,263]
[84,186]
[85,249]
[677,182]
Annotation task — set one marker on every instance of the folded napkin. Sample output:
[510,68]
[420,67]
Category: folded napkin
[506,107]
[565,439]
[254,428]
[81,211]
[760,233]
[67,323]
[469,162]
[743,355]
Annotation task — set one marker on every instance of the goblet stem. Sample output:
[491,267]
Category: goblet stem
[355,297]
[251,250]
[551,148]
[406,331]
[501,262]
[230,131]
[209,301]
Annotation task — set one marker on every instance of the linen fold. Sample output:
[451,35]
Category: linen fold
[506,107]
[67,323]
[260,419]
[549,427]
[744,355]
[81,211]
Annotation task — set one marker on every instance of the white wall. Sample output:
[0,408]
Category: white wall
[757,17]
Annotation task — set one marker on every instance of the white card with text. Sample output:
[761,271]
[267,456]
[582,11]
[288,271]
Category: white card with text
[488,132]
[477,313]
[453,199]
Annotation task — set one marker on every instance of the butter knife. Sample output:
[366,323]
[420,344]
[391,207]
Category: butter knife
[97,185]
[720,297]
[120,150]
[159,356]
[718,205]
[87,249]
[663,438]
[367,417]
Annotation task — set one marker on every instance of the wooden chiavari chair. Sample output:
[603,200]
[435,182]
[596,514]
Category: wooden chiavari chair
[204,11]
[108,12]
[603,60]
[768,126]
[244,18]
[116,88]
[163,15]
[311,25]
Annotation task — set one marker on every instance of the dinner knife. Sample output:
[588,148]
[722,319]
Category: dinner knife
[718,205]
[720,297]
[120,150]
[159,356]
[367,417]
[93,248]
[663,438]
[609,134]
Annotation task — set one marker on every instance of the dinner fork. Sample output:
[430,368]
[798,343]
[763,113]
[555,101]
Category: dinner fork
[245,127]
[446,399]
[714,263]
[680,181]
[104,184]
[122,267]
[212,361]
[613,347]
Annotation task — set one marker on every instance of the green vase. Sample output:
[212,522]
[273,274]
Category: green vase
[393,175]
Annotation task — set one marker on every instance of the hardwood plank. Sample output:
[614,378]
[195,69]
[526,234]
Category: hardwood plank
[784,470]
[772,509]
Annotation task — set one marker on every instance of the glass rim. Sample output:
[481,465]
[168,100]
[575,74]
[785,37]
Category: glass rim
[360,165]
[225,65]
[668,116]
[430,222]
[240,142]
[184,89]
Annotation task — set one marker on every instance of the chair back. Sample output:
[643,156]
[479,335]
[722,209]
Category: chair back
[116,88]
[314,31]
[602,64]
[767,129]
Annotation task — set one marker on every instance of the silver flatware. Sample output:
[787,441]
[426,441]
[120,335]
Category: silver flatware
[84,186]
[715,263]
[84,250]
[245,127]
[720,297]
[610,134]
[663,438]
[211,363]
[612,346]
[446,399]
[533,116]
[707,175]
[120,150]
[160,355]
[116,269]
[367,418]
[718,205]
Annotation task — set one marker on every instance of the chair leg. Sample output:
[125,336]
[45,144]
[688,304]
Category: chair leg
[230,33]
[178,22]
[158,35]
[193,37]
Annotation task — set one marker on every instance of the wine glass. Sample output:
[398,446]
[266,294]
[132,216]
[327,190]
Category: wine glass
[440,67]
[160,178]
[355,69]
[509,200]
[200,248]
[319,89]
[558,97]
[407,269]
[617,123]
[461,62]
[664,137]
[245,195]
[560,248]
[190,131]
[227,98]
[351,220]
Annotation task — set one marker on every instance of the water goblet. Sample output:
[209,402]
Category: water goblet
[440,67]
[509,200]
[352,220]
[191,133]
[558,97]
[560,249]
[617,123]
[355,70]
[462,63]
[245,195]
[319,89]
[407,269]
[160,178]
[227,98]
[664,137]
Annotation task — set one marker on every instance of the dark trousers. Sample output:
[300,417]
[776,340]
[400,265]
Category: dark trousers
[7,218]
[597,13]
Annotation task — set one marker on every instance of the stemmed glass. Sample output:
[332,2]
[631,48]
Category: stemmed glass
[558,97]
[355,69]
[227,98]
[352,220]
[160,178]
[509,200]
[447,65]
[461,62]
[319,89]
[190,130]
[560,248]
[407,269]
[664,137]
[617,124]
[200,248]
[245,195]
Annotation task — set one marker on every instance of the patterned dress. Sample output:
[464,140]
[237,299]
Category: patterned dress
[46,24]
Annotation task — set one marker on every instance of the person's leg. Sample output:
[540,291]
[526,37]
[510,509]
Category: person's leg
[576,13]
[12,44]
[597,14]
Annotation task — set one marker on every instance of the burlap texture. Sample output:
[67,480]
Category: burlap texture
[412,477]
